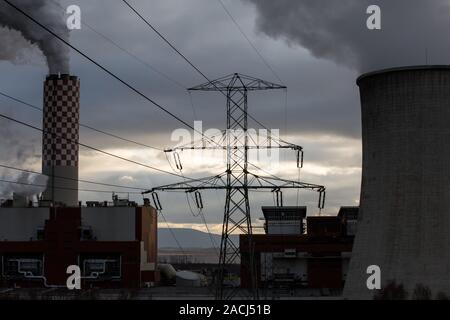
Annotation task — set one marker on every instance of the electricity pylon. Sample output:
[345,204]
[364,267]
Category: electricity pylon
[237,180]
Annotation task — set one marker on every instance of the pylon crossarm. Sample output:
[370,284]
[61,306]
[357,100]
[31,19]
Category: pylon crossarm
[237,181]
[237,81]
[279,183]
[190,185]
[219,143]
[212,183]
[204,143]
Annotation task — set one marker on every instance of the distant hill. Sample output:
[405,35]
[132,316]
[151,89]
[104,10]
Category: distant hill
[188,238]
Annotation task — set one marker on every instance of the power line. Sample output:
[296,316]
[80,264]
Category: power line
[132,55]
[89,147]
[200,211]
[162,74]
[83,125]
[172,233]
[249,41]
[185,58]
[213,241]
[67,178]
[191,64]
[202,217]
[62,188]
[135,57]
[164,39]
[132,88]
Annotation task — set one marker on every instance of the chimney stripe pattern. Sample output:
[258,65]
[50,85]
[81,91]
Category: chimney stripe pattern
[61,121]
[60,138]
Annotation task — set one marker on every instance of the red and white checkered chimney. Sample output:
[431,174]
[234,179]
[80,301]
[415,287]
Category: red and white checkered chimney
[60,138]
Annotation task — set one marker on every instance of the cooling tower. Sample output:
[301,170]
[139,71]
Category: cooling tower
[60,139]
[404,221]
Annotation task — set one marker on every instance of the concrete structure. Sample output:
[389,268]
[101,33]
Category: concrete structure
[190,279]
[60,139]
[404,219]
[115,247]
[284,220]
[316,259]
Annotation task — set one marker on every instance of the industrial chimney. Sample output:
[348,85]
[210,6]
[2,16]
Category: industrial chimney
[60,138]
[404,221]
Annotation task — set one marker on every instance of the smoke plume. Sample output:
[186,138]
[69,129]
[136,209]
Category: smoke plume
[46,12]
[413,31]
[19,150]
[29,185]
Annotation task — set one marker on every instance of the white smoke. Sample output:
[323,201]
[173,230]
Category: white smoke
[413,31]
[47,13]
[20,152]
[28,185]
[16,48]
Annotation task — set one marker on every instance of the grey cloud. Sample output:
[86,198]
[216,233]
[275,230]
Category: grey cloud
[322,97]
[29,185]
[56,53]
[15,48]
[336,30]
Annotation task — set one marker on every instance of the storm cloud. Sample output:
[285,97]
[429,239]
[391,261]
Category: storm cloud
[14,23]
[412,30]
[321,114]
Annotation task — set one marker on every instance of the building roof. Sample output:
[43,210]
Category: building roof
[284,213]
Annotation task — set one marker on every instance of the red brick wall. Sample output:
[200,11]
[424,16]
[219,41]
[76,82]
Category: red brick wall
[322,273]
[325,273]
[147,230]
[62,246]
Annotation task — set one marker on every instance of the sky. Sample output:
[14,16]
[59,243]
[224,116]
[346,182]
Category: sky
[317,48]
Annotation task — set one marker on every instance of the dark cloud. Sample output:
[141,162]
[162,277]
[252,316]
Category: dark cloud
[336,30]
[322,96]
[45,11]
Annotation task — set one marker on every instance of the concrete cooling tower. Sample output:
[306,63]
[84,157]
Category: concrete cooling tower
[404,221]
[60,139]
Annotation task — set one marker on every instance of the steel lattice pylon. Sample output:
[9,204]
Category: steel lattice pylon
[237,180]
[237,207]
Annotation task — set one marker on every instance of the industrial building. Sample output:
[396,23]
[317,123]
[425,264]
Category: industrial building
[113,243]
[114,246]
[297,251]
[404,218]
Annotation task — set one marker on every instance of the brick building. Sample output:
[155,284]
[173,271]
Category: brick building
[114,246]
[299,251]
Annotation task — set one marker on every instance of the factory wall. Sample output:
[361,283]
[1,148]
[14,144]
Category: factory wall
[276,263]
[133,253]
[404,219]
[284,227]
[110,223]
[323,258]
[315,259]
[146,231]
[21,224]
